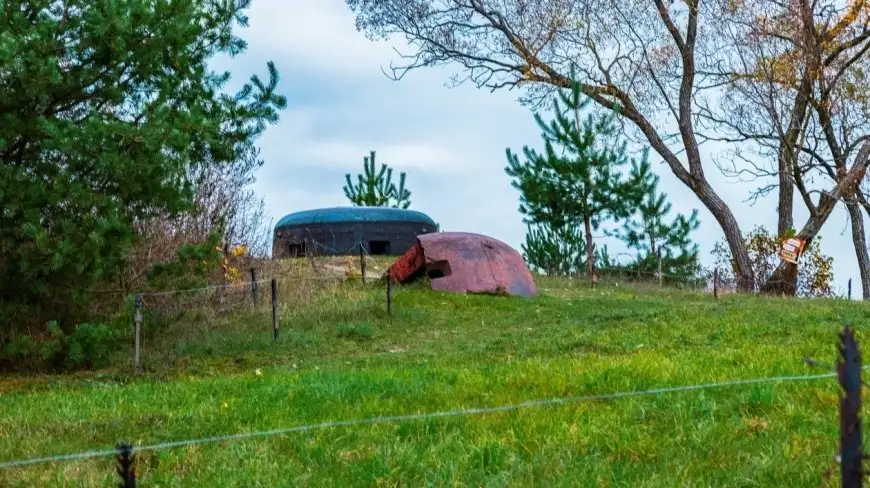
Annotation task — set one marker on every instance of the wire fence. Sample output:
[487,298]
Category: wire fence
[409,418]
[712,281]
[318,276]
[267,293]
[702,280]
[274,290]
[850,457]
[281,288]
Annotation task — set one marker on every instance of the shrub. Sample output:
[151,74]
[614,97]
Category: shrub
[17,352]
[815,270]
[52,348]
[191,269]
[91,345]
[88,346]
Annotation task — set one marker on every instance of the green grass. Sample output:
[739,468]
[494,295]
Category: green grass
[340,357]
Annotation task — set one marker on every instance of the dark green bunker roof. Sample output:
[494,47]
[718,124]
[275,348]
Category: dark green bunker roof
[339,215]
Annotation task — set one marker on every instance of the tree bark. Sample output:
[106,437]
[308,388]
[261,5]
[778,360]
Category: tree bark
[791,141]
[786,203]
[779,281]
[787,156]
[859,239]
[733,235]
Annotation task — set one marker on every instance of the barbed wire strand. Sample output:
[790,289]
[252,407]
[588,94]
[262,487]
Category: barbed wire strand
[628,273]
[235,285]
[414,417]
[614,273]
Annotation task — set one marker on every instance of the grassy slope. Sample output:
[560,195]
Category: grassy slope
[341,358]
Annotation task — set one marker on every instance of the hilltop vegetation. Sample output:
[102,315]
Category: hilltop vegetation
[126,171]
[340,357]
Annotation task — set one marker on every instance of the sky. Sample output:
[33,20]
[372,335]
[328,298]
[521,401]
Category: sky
[450,141]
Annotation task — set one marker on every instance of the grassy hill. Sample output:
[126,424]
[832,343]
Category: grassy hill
[340,357]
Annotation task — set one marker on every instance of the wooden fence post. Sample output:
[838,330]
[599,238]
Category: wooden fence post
[715,283]
[362,263]
[389,295]
[274,309]
[255,287]
[849,372]
[137,333]
[126,466]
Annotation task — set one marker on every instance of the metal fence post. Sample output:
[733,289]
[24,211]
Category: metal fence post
[849,372]
[126,466]
[137,332]
[255,287]
[274,309]
[850,288]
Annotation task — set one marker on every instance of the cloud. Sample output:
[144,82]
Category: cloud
[313,139]
[451,141]
[318,36]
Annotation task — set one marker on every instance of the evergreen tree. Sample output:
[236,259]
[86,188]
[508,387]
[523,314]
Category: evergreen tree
[655,236]
[559,252]
[375,188]
[580,184]
[104,108]
[604,261]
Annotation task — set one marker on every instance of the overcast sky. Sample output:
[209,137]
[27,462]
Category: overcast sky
[450,141]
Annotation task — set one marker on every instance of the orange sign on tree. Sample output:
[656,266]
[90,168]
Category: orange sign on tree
[791,250]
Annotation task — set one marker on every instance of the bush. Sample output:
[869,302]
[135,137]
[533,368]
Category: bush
[90,345]
[191,269]
[815,270]
[17,352]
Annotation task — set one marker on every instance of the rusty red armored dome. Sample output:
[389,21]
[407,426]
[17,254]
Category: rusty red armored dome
[465,263]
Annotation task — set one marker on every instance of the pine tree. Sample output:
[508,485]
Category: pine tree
[580,184]
[105,108]
[662,244]
[559,252]
[604,261]
[375,188]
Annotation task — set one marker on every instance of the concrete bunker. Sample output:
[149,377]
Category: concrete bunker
[341,231]
[463,262]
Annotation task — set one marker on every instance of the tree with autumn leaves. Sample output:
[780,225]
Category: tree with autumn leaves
[779,84]
[815,277]
[797,76]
